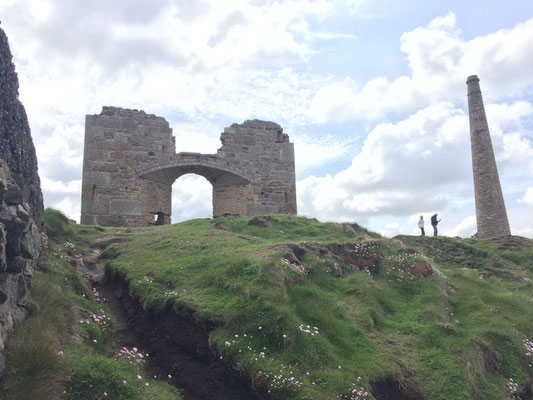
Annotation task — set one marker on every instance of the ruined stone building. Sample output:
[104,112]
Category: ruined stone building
[490,206]
[130,163]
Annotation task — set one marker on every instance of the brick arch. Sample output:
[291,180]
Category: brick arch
[215,169]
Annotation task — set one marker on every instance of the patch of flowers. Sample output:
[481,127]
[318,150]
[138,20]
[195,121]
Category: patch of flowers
[356,393]
[294,266]
[96,296]
[513,387]
[283,381]
[364,249]
[134,356]
[174,292]
[101,320]
[335,270]
[402,264]
[308,330]
[44,240]
[146,279]
[528,344]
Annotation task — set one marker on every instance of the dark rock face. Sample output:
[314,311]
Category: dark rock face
[21,201]
[16,145]
[20,246]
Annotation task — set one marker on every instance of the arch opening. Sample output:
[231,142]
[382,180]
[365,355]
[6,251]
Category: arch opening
[192,197]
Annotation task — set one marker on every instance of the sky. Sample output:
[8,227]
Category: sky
[371,92]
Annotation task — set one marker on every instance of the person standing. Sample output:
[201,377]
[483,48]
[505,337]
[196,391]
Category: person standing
[434,223]
[421,225]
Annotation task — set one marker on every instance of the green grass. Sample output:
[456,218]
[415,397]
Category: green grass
[455,333]
[228,274]
[60,352]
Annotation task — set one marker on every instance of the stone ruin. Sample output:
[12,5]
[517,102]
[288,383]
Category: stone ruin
[130,163]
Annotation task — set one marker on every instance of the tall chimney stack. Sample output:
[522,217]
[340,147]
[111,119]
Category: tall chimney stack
[490,207]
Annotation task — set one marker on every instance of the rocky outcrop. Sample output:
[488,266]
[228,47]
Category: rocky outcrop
[21,200]
[19,248]
[16,145]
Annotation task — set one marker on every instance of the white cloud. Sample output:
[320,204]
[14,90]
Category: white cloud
[191,198]
[528,197]
[391,230]
[466,228]
[419,164]
[439,62]
[313,152]
[64,196]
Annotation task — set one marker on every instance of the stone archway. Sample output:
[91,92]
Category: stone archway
[130,164]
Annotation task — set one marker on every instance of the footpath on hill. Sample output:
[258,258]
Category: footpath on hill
[196,377]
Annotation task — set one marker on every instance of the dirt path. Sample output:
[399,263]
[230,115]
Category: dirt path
[122,335]
[179,352]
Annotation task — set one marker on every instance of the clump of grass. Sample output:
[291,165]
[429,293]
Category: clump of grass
[95,376]
[56,223]
[92,375]
[35,367]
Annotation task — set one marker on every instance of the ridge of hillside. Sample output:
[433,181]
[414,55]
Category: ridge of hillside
[281,307]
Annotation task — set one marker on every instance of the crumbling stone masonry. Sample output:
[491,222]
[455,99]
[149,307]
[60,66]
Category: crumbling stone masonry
[21,202]
[490,207]
[130,163]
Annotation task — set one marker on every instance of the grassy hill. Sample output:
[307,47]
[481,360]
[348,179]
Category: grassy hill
[294,308]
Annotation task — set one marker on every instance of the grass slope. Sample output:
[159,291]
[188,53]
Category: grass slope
[63,349]
[307,310]
[312,310]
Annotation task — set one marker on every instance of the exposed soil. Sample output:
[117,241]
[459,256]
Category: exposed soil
[178,347]
[401,387]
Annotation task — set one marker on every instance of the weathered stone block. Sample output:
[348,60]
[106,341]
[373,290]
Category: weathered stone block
[96,178]
[126,207]
[30,244]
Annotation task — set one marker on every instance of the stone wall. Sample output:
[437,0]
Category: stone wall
[19,248]
[263,149]
[21,201]
[115,142]
[130,164]
[491,215]
[16,144]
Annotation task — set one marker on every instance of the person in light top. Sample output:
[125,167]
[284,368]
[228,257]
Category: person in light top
[421,225]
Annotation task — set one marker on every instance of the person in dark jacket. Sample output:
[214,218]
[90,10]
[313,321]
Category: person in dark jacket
[434,223]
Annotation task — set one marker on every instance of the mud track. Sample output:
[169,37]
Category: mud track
[178,347]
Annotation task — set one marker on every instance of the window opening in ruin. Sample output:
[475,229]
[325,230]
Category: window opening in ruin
[192,197]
